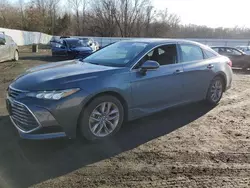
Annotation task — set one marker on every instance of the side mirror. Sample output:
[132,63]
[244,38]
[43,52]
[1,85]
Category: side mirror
[149,65]
[62,47]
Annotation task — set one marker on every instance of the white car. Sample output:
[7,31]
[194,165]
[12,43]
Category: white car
[8,48]
[93,44]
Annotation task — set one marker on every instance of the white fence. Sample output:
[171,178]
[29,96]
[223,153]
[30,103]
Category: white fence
[103,41]
[26,37]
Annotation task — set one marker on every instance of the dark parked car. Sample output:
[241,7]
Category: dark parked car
[245,49]
[239,59]
[71,47]
[8,48]
[124,81]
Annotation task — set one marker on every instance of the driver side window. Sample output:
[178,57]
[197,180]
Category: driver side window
[164,55]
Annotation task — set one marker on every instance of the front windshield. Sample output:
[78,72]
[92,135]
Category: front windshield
[117,55]
[76,43]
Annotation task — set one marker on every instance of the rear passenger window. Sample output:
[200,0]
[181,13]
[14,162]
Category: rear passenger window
[209,54]
[216,49]
[191,52]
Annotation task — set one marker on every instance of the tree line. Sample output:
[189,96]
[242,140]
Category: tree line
[105,18]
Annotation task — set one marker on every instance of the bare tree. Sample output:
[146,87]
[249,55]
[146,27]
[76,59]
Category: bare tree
[165,24]
[22,9]
[84,14]
[102,18]
[76,4]
[52,5]
[121,18]
[127,14]
[3,10]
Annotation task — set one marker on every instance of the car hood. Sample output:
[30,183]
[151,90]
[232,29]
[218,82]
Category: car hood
[58,75]
[81,49]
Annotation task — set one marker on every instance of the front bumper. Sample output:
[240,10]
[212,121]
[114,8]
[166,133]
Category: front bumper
[44,127]
[42,136]
[45,119]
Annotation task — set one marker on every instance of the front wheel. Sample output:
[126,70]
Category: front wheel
[102,118]
[215,90]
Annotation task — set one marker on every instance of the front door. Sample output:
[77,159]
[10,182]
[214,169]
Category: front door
[159,88]
[59,48]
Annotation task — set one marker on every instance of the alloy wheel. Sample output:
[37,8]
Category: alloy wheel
[104,119]
[216,90]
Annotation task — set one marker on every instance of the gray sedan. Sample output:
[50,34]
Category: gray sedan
[124,81]
[8,49]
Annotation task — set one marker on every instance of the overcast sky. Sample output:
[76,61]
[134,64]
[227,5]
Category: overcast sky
[213,13]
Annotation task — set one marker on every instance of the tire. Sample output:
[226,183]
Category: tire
[95,125]
[16,56]
[215,90]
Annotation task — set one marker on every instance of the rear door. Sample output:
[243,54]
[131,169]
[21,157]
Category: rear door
[11,47]
[198,72]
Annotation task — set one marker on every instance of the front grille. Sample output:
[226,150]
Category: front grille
[22,117]
[13,93]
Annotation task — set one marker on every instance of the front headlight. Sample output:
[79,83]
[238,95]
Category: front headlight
[53,95]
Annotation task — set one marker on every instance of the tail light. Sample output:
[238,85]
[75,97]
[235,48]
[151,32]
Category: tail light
[230,63]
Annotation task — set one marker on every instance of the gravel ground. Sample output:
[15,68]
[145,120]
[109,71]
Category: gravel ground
[189,146]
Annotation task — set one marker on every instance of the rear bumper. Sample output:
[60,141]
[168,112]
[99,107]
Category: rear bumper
[229,77]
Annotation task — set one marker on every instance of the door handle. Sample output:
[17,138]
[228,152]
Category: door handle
[178,71]
[210,66]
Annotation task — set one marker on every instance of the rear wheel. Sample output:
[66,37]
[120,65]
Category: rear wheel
[102,118]
[16,56]
[215,90]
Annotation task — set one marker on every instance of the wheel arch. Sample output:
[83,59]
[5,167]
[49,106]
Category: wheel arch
[15,50]
[224,78]
[113,93]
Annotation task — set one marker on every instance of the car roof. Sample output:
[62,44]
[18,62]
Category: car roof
[223,47]
[153,41]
